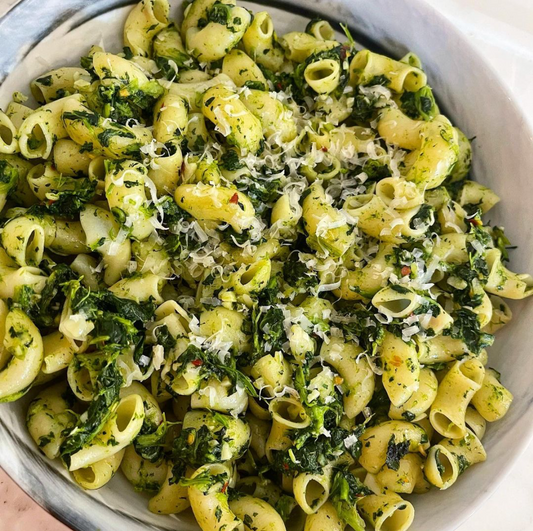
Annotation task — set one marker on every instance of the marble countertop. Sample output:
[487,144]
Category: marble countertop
[503,33]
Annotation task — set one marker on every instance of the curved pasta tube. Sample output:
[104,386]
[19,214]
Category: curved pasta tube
[386,511]
[259,430]
[216,203]
[225,325]
[376,219]
[164,171]
[172,498]
[365,282]
[395,127]
[299,46]
[69,159]
[311,491]
[59,350]
[473,193]
[323,76]
[144,21]
[401,368]
[271,373]
[326,518]
[17,113]
[334,109]
[399,194]
[193,92]
[85,266]
[323,166]
[396,301]
[121,428]
[51,85]
[220,396]
[343,142]
[320,29]
[209,502]
[475,423]
[501,315]
[236,437]
[105,237]
[20,191]
[260,42]
[257,514]
[267,250]
[442,349]
[46,181]
[287,414]
[375,441]
[285,214]
[82,374]
[50,418]
[326,226]
[276,119]
[463,380]
[357,376]
[420,401]
[243,70]
[403,480]
[366,65]
[213,41]
[114,140]
[25,237]
[9,177]
[12,278]
[168,45]
[23,346]
[141,473]
[451,457]
[139,288]
[251,278]
[232,119]
[451,249]
[196,170]
[503,282]
[98,474]
[437,155]
[171,118]
[464,158]
[111,68]
[45,126]
[492,400]
[8,135]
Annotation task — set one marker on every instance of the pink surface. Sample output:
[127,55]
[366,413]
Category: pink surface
[18,512]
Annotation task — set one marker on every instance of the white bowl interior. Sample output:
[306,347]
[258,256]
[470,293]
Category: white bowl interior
[470,94]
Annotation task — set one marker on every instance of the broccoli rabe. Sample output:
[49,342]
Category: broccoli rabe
[106,396]
[346,489]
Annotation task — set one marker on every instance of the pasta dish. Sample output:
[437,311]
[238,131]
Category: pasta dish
[250,272]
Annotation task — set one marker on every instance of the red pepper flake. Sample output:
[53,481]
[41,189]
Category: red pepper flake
[475,221]
[285,466]
[234,198]
[406,270]
[50,202]
[279,86]
[225,487]
[197,363]
[324,149]
[344,52]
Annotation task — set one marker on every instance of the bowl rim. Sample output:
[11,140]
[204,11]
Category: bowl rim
[61,511]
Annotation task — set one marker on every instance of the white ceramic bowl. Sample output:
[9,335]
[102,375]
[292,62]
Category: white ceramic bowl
[39,34]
